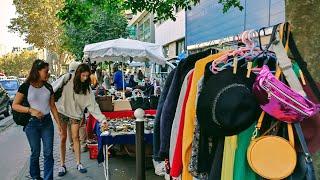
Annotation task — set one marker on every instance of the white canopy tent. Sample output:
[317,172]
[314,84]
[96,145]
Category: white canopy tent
[118,49]
[123,50]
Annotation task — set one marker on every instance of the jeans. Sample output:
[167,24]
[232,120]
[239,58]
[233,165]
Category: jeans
[35,131]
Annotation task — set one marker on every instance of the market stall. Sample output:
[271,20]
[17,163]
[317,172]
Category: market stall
[122,50]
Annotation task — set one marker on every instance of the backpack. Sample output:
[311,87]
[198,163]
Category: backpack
[19,118]
[58,93]
[22,119]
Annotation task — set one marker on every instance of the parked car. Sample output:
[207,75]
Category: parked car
[12,77]
[5,103]
[11,86]
[3,76]
[22,80]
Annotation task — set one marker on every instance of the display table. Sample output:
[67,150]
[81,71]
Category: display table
[117,139]
[113,115]
[105,142]
[91,122]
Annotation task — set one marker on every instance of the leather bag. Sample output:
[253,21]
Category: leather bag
[272,157]
[105,103]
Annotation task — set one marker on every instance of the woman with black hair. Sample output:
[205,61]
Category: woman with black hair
[76,96]
[39,95]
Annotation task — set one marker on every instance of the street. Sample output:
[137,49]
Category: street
[205,70]
[15,152]
[14,149]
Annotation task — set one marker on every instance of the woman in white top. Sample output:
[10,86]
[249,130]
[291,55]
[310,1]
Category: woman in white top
[76,96]
[39,95]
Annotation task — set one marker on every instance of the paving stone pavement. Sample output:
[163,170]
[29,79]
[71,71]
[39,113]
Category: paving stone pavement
[121,167]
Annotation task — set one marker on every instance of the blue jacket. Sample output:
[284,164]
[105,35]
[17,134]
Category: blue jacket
[118,81]
[156,127]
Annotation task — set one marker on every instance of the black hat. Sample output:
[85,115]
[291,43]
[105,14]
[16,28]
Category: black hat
[226,105]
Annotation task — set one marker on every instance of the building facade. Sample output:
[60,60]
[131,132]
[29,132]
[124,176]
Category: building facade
[141,27]
[206,21]
[171,35]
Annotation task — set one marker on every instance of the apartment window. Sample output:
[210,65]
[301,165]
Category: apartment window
[144,31]
[147,31]
[180,46]
[133,32]
[166,51]
[140,31]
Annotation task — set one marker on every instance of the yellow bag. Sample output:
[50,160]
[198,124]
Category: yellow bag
[272,157]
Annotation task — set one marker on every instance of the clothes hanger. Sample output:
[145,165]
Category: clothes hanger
[251,49]
[247,38]
[269,55]
[266,50]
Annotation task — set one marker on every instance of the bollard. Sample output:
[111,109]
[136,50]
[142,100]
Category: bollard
[140,149]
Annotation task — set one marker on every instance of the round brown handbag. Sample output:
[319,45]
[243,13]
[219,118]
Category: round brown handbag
[272,157]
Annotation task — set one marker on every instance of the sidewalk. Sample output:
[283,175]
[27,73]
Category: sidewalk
[121,168]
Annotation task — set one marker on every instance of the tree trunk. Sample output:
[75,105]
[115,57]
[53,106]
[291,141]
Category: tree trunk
[59,63]
[304,17]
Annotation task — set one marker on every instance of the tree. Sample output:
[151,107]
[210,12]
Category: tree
[101,27]
[165,9]
[38,22]
[17,64]
[90,21]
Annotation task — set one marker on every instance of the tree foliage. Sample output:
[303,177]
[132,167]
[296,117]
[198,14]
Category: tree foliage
[37,20]
[91,21]
[17,64]
[162,9]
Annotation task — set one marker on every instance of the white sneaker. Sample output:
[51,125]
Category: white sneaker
[159,168]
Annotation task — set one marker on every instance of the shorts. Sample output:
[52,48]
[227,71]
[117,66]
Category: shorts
[67,120]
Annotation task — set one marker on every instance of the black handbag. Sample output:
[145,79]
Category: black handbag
[146,103]
[154,102]
[304,169]
[139,101]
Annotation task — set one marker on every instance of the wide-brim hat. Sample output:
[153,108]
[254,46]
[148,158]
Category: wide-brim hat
[226,105]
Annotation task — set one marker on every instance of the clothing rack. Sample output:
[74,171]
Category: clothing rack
[229,40]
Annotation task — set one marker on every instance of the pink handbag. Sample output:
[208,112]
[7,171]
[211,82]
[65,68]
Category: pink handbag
[280,101]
